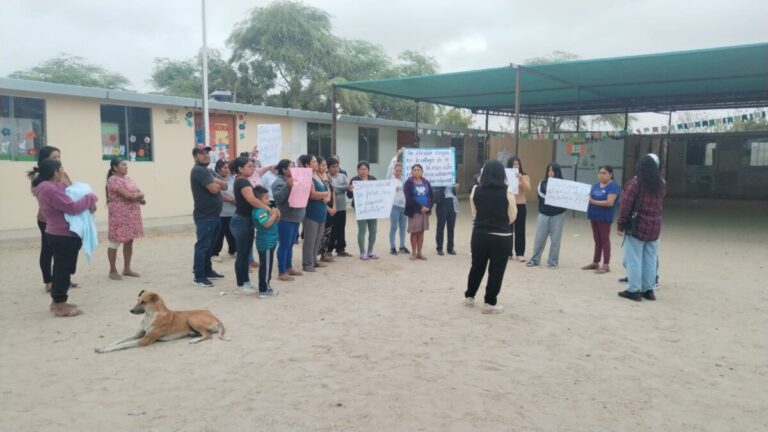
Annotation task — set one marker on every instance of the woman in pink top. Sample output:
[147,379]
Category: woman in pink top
[48,187]
[124,201]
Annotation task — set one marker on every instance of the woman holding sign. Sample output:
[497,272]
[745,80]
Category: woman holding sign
[518,227]
[549,223]
[314,219]
[362,225]
[397,218]
[602,198]
[418,206]
[494,210]
[290,218]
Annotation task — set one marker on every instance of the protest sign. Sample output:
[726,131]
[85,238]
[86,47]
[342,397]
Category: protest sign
[439,164]
[373,198]
[512,182]
[567,194]
[270,141]
[302,183]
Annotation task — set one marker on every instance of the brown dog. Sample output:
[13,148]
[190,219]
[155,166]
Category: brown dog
[161,323]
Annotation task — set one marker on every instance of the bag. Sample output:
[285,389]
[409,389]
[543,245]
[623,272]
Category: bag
[631,225]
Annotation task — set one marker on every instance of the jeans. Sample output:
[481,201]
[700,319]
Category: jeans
[46,254]
[65,250]
[224,232]
[287,232]
[397,219]
[361,227]
[640,260]
[552,227]
[266,260]
[313,235]
[601,232]
[518,230]
[338,234]
[488,249]
[206,231]
[242,229]
[445,214]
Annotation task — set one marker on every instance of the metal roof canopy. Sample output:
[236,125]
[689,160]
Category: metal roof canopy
[727,77]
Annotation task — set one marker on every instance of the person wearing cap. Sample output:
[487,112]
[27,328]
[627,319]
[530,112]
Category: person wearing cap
[639,222]
[206,193]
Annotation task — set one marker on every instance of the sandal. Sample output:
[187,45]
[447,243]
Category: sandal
[130,273]
[602,270]
[592,266]
[115,276]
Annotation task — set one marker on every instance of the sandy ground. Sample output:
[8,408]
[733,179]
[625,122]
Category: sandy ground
[388,346]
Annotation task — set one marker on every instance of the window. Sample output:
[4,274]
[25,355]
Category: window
[709,153]
[126,132]
[22,128]
[458,144]
[758,152]
[368,144]
[480,151]
[319,139]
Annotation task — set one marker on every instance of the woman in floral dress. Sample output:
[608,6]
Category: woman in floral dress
[124,201]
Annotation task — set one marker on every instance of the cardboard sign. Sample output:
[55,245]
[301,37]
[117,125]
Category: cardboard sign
[439,164]
[373,198]
[567,194]
[270,142]
[512,182]
[302,183]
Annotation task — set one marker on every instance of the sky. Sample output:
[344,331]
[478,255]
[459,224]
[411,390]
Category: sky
[127,36]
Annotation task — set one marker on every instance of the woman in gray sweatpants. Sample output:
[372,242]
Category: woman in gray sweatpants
[549,223]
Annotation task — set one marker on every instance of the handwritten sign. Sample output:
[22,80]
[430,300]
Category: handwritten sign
[512,182]
[302,183]
[567,194]
[373,198]
[270,143]
[439,164]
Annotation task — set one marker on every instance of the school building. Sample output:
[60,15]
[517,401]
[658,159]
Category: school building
[157,133]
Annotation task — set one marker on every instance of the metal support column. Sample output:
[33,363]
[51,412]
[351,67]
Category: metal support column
[517,109]
[416,129]
[486,142]
[333,120]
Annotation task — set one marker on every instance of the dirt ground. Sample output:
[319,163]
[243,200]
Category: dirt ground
[387,345]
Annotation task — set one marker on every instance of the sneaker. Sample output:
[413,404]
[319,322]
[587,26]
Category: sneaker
[248,289]
[364,257]
[630,295]
[552,266]
[373,256]
[531,264]
[603,269]
[649,295]
[65,310]
[270,292]
[624,280]
[214,275]
[404,250]
[469,301]
[204,282]
[309,269]
[393,251]
[440,253]
[591,266]
[451,252]
[495,309]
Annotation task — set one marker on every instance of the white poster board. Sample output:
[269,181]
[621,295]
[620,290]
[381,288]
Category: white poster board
[567,194]
[270,142]
[513,184]
[373,198]
[439,164]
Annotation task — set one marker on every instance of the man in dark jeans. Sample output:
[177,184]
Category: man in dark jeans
[206,193]
[446,209]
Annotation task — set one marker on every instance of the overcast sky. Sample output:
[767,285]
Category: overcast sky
[126,36]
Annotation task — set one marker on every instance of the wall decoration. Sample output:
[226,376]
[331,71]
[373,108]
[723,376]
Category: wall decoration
[132,138]
[173,116]
[6,132]
[189,118]
[241,126]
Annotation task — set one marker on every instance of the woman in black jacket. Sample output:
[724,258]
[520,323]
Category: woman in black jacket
[418,206]
[549,223]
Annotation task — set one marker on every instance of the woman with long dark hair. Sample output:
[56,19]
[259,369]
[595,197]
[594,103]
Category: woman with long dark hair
[418,207]
[227,211]
[600,211]
[640,223]
[290,218]
[494,210]
[363,174]
[46,252]
[314,218]
[549,222]
[48,186]
[518,227]
[124,201]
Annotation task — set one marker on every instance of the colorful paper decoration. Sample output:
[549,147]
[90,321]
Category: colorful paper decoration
[31,135]
[6,132]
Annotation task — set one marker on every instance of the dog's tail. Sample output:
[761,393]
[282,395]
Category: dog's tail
[221,330]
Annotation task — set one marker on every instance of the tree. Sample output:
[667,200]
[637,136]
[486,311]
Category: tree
[454,118]
[409,63]
[70,69]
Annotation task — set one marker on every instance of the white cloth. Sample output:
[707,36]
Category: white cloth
[399,194]
[83,224]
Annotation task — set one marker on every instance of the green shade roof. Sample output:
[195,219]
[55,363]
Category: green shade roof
[728,77]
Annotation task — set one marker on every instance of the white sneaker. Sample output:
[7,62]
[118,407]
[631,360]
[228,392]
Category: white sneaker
[248,289]
[495,309]
[469,301]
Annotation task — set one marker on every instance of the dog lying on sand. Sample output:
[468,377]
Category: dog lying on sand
[161,323]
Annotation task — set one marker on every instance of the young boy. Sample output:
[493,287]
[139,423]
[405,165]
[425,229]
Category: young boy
[266,240]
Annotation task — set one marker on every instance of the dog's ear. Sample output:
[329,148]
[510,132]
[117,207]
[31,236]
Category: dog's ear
[141,292]
[153,297]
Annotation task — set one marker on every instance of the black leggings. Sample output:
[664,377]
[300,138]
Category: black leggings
[46,254]
[224,232]
[65,250]
[518,230]
[489,251]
